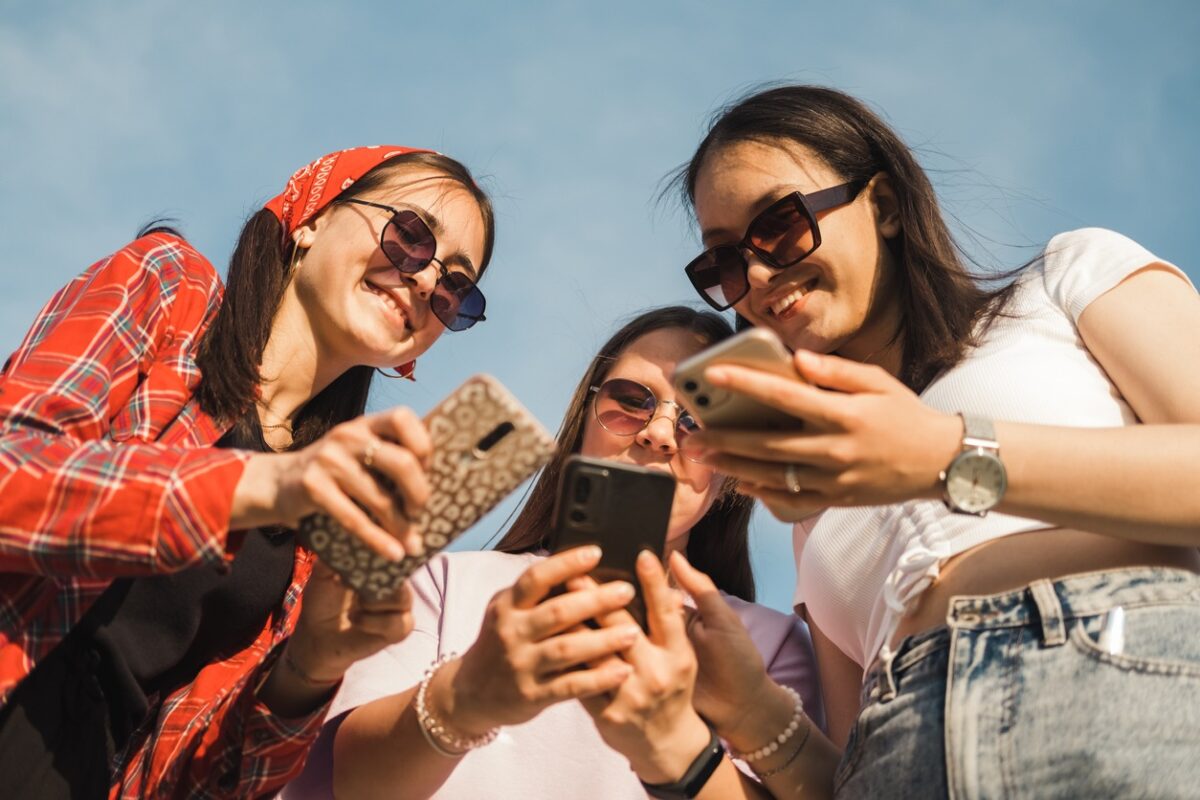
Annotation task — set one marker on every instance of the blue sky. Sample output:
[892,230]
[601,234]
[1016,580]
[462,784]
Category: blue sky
[1034,117]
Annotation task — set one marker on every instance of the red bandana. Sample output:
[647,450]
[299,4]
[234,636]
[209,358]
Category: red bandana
[314,186]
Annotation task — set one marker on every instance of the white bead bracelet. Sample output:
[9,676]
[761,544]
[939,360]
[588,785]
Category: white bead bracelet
[788,732]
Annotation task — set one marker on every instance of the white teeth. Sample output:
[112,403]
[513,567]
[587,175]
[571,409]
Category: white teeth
[780,305]
[387,297]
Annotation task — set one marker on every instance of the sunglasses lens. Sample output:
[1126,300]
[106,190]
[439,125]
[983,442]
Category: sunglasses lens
[408,243]
[784,232]
[719,275]
[457,301]
[624,407]
[686,425]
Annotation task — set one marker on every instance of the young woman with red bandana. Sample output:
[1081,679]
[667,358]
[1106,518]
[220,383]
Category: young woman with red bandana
[160,435]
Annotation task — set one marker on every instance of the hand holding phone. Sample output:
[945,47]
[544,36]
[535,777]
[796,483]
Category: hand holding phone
[715,407]
[620,507]
[485,444]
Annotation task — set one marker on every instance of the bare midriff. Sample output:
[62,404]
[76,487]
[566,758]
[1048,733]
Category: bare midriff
[1011,562]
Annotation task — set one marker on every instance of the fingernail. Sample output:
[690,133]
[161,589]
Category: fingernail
[807,358]
[589,552]
[395,551]
[630,633]
[645,558]
[716,374]
[621,589]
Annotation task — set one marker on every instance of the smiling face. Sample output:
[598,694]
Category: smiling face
[650,360]
[362,310]
[839,298]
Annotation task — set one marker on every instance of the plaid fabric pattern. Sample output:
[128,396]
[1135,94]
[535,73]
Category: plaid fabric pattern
[106,471]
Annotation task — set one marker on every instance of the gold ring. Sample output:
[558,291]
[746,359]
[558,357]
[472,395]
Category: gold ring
[368,458]
[791,479]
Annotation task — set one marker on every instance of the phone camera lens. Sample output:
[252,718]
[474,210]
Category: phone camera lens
[690,386]
[583,489]
[578,515]
[702,400]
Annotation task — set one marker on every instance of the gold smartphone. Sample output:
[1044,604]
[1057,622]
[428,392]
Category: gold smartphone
[714,407]
[485,445]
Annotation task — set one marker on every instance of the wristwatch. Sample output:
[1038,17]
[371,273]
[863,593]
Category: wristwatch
[696,776]
[975,481]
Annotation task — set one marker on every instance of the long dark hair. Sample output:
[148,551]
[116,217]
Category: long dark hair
[718,543]
[231,351]
[940,301]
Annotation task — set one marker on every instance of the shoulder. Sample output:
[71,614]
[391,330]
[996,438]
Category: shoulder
[172,262]
[1078,266]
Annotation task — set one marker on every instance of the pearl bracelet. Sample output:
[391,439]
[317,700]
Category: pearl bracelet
[788,732]
[440,739]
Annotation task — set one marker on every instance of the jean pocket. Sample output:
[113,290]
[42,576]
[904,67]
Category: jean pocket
[1159,639]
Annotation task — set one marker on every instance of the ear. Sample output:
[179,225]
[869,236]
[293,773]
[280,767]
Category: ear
[305,235]
[887,205]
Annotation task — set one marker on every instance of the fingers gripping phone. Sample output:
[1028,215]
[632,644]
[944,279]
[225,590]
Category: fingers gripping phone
[485,444]
[715,407]
[622,508]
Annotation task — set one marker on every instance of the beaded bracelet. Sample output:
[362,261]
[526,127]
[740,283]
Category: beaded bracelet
[788,732]
[440,739]
[799,746]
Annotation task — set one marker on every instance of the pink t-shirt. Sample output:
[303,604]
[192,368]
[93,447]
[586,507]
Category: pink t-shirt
[558,753]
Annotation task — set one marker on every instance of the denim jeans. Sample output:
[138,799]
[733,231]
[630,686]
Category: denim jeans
[1019,696]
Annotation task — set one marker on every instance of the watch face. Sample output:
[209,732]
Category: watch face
[975,482]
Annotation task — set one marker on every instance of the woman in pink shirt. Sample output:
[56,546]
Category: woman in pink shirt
[499,720]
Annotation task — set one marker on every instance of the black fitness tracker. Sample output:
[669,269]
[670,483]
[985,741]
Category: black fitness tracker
[695,777]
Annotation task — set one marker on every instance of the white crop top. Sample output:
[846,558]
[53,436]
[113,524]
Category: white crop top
[859,569]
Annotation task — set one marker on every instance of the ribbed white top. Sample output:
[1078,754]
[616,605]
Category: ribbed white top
[859,569]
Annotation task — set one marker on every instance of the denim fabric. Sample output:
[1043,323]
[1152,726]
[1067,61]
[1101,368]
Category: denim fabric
[1015,697]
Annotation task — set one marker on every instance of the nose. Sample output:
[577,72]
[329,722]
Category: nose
[424,281]
[758,274]
[659,435]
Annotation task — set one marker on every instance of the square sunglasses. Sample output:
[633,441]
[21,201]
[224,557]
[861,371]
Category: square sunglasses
[784,234]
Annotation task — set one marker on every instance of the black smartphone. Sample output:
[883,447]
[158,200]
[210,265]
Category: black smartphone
[623,508]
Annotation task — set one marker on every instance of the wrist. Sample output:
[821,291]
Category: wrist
[256,498]
[667,760]
[764,715]
[452,701]
[301,659]
[945,442]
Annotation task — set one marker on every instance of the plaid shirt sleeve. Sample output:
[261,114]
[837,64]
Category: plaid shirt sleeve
[214,738]
[83,490]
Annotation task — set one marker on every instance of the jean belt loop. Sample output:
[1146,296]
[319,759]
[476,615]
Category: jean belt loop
[887,657]
[1050,612]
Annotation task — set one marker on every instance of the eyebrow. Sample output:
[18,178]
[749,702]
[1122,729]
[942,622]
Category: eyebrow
[435,225]
[765,200]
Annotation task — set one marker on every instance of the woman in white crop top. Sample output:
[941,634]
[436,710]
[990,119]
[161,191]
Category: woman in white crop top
[1049,644]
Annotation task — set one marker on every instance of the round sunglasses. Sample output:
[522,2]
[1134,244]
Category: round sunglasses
[409,244]
[784,234]
[626,408]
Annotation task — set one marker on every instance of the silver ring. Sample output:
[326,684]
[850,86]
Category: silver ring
[791,479]
[368,458]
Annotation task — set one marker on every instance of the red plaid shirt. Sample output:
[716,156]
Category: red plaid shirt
[106,471]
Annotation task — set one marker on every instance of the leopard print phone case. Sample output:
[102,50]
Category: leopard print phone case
[485,445]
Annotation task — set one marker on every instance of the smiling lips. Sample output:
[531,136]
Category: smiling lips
[786,305]
[390,301]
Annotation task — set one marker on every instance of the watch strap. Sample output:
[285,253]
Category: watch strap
[978,432]
[695,777]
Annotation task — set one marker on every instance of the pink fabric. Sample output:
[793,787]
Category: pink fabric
[557,754]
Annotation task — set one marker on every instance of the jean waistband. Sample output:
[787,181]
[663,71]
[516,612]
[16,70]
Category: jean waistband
[1048,604]
[1052,602]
